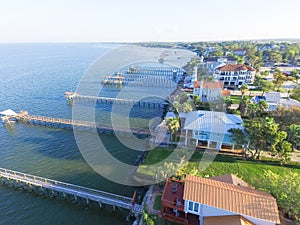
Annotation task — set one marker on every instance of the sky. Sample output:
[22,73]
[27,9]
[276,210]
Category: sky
[147,20]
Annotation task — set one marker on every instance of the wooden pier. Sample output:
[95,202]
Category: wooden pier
[167,76]
[71,96]
[24,117]
[65,190]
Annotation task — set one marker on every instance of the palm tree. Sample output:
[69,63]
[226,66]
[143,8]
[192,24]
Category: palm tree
[173,126]
[252,110]
[243,106]
[244,88]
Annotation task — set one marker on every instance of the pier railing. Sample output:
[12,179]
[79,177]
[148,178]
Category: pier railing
[100,197]
[70,96]
[64,123]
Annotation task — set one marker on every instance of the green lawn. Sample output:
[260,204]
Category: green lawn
[237,98]
[253,172]
[250,171]
[157,203]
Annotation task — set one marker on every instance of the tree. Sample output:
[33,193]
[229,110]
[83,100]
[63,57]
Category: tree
[187,107]
[286,189]
[239,138]
[296,93]
[263,107]
[295,75]
[173,125]
[228,102]
[263,134]
[243,106]
[293,135]
[286,116]
[283,150]
[244,88]
[279,79]
[252,110]
[265,85]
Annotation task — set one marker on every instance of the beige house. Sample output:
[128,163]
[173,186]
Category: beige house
[208,91]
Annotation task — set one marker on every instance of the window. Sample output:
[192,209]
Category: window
[190,206]
[196,207]
[193,206]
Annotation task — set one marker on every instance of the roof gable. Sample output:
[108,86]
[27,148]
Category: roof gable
[208,84]
[231,197]
[236,67]
[210,121]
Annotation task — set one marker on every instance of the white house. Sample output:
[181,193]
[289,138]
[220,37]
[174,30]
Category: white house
[224,199]
[208,91]
[211,128]
[234,76]
[211,63]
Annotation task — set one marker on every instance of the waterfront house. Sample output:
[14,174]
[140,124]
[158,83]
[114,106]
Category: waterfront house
[211,63]
[210,129]
[225,199]
[234,76]
[208,91]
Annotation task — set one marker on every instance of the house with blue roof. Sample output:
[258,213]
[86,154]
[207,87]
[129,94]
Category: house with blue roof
[211,128]
[274,100]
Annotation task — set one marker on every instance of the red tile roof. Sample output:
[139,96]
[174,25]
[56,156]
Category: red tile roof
[231,179]
[208,84]
[231,197]
[226,93]
[236,67]
[232,220]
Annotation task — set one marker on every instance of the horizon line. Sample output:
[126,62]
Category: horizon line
[149,41]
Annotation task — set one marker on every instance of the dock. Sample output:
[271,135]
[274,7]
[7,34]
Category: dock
[66,190]
[62,123]
[72,96]
[155,75]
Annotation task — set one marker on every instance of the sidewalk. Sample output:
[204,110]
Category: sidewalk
[151,201]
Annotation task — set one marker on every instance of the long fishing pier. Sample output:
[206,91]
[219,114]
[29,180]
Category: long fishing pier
[71,96]
[66,190]
[25,118]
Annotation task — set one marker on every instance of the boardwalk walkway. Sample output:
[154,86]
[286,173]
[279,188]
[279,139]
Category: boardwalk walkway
[72,190]
[71,96]
[24,117]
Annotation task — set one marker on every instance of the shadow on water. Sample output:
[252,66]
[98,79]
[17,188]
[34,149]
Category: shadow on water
[59,145]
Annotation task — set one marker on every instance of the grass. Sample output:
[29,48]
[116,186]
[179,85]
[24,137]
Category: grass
[237,98]
[156,155]
[250,171]
[157,203]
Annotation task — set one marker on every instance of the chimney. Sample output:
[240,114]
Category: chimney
[195,73]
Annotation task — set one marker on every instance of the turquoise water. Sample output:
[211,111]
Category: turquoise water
[34,77]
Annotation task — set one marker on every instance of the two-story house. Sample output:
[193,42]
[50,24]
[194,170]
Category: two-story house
[208,91]
[211,63]
[234,76]
[210,129]
[225,199]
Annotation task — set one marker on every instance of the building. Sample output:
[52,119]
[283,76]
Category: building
[211,63]
[210,50]
[239,52]
[274,100]
[210,129]
[234,76]
[208,91]
[225,200]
